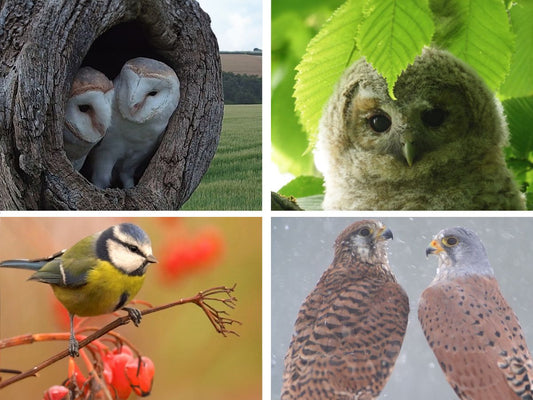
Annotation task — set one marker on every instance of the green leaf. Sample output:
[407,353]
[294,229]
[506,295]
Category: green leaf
[289,141]
[519,82]
[393,34]
[326,57]
[478,32]
[519,112]
[312,203]
[303,186]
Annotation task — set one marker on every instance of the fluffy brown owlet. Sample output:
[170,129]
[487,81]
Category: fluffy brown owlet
[472,330]
[350,328]
[438,146]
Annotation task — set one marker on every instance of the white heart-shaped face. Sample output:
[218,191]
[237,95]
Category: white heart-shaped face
[88,115]
[88,109]
[146,90]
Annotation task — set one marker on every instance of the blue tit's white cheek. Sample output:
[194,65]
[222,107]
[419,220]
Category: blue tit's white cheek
[122,258]
[146,249]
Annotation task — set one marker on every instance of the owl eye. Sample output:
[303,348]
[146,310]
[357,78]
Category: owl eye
[152,93]
[84,108]
[379,122]
[450,241]
[434,117]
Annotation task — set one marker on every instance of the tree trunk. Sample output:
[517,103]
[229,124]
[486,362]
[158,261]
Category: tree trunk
[42,45]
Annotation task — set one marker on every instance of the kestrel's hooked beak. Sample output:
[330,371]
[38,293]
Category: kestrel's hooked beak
[434,248]
[408,150]
[385,233]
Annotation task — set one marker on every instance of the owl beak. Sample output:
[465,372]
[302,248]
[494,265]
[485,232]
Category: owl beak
[434,248]
[408,152]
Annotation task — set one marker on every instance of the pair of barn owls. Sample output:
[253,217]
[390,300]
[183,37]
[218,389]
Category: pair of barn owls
[116,125]
[437,146]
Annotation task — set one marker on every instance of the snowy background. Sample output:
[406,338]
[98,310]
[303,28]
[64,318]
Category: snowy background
[302,248]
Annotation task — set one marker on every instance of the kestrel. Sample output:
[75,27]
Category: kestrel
[473,332]
[350,328]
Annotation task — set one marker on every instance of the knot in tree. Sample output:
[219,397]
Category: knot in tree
[43,45]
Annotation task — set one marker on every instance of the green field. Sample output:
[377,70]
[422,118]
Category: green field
[233,181]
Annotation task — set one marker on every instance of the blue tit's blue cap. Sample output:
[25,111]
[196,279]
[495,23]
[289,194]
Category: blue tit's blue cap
[135,232]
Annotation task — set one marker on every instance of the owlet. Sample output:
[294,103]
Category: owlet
[438,146]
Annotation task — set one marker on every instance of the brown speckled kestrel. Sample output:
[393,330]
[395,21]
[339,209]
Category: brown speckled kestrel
[350,328]
[473,332]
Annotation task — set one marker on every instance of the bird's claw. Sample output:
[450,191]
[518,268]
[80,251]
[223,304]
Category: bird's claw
[73,347]
[134,314]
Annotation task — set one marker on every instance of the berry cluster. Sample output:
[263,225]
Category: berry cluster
[116,374]
[191,253]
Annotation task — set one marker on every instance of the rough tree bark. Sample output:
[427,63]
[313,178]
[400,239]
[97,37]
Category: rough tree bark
[42,45]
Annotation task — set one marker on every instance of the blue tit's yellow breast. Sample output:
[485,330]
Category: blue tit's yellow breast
[105,290]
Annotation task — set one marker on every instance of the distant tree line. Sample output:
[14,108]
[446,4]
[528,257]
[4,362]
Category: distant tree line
[241,89]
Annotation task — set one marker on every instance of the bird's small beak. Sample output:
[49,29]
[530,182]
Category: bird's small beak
[434,248]
[408,150]
[385,233]
[151,259]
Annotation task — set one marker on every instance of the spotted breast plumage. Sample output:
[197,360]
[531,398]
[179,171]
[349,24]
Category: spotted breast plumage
[469,325]
[350,328]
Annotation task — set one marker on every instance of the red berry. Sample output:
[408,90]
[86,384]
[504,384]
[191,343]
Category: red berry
[140,373]
[107,373]
[191,254]
[119,382]
[57,393]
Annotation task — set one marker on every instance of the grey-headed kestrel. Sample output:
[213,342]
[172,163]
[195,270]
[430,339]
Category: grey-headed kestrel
[350,328]
[473,332]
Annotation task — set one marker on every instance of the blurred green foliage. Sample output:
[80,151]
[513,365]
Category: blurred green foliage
[494,37]
[294,23]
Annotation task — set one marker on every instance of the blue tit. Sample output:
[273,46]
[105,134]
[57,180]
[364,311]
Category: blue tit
[98,275]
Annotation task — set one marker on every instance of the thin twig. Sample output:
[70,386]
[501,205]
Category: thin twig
[215,317]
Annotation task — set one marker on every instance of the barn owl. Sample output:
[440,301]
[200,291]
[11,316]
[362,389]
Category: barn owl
[146,94]
[438,146]
[87,114]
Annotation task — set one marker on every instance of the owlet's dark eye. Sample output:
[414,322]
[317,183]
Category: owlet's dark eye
[379,122]
[84,108]
[364,232]
[152,93]
[434,117]
[450,241]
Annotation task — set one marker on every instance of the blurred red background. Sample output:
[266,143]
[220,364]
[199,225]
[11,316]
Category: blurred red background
[192,361]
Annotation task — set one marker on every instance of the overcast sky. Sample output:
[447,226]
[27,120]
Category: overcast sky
[237,23]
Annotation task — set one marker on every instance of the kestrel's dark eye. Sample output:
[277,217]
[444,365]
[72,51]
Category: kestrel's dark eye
[84,108]
[450,241]
[364,232]
[379,122]
[434,117]
[152,93]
